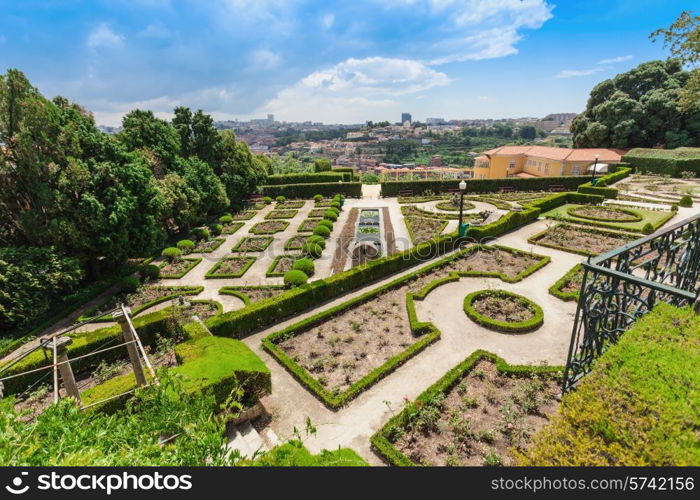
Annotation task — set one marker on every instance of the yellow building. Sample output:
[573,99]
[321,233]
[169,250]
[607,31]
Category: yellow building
[540,161]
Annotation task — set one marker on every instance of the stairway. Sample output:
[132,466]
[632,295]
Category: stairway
[248,441]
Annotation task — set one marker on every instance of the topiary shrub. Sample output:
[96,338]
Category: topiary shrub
[185,246]
[172,253]
[335,204]
[313,250]
[326,223]
[318,198]
[129,284]
[226,219]
[674,207]
[295,278]
[216,229]
[201,233]
[648,228]
[305,265]
[280,199]
[322,231]
[334,210]
[316,239]
[686,201]
[150,271]
[331,216]
[267,200]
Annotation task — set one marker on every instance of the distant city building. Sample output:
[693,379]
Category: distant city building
[436,161]
[271,118]
[435,121]
[405,117]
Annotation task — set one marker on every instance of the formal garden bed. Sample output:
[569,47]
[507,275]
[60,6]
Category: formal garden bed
[581,240]
[269,227]
[421,199]
[286,205]
[296,242]
[253,244]
[640,220]
[453,205]
[281,265]
[207,246]
[492,199]
[342,351]
[175,269]
[317,213]
[326,202]
[282,214]
[479,413]
[204,309]
[503,311]
[245,215]
[252,294]
[308,225]
[568,286]
[231,227]
[414,211]
[422,229]
[230,267]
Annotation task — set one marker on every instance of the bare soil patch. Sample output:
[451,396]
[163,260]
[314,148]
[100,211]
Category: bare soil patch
[576,239]
[389,234]
[175,268]
[603,213]
[317,212]
[346,236]
[505,308]
[423,229]
[207,246]
[253,244]
[262,293]
[308,225]
[284,264]
[281,214]
[269,227]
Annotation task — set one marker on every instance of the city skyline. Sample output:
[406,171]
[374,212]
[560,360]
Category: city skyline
[330,62]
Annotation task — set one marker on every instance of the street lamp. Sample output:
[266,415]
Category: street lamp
[462,188]
[595,167]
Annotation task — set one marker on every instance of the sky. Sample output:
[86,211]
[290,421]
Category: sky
[329,61]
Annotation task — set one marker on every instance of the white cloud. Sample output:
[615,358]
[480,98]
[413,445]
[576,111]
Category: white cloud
[615,60]
[354,90]
[327,21]
[264,59]
[102,36]
[572,73]
[156,30]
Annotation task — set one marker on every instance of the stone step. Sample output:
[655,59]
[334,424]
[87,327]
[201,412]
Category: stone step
[251,437]
[236,441]
[270,438]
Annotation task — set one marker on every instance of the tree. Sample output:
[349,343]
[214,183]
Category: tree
[528,132]
[141,130]
[638,108]
[322,165]
[238,168]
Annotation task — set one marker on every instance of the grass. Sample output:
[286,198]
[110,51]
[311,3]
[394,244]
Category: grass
[295,454]
[654,217]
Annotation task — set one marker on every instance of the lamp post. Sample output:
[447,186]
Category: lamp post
[595,167]
[462,189]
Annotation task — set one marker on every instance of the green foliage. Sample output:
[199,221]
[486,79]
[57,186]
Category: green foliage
[322,231]
[638,108]
[392,188]
[503,326]
[201,233]
[306,191]
[280,199]
[665,161]
[129,284]
[226,219]
[316,239]
[313,249]
[304,178]
[648,228]
[305,265]
[572,277]
[295,278]
[186,246]
[172,253]
[335,204]
[322,165]
[318,197]
[267,200]
[215,229]
[325,222]
[150,271]
[295,454]
[637,407]
[686,201]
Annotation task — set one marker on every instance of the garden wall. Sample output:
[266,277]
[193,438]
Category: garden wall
[665,161]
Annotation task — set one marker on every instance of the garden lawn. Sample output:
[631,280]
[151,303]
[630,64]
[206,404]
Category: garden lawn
[654,217]
[295,454]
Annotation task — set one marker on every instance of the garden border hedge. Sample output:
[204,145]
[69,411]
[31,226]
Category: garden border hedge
[194,260]
[246,214]
[210,250]
[211,273]
[620,171]
[236,247]
[664,161]
[503,326]
[270,273]
[275,214]
[534,239]
[307,191]
[380,440]
[305,178]
[300,228]
[637,217]
[252,230]
[556,288]
[235,291]
[236,226]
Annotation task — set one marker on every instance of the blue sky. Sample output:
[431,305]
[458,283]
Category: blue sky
[330,61]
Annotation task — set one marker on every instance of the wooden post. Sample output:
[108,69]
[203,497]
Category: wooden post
[59,345]
[121,318]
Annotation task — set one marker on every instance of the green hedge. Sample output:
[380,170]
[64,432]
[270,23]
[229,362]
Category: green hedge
[305,178]
[665,161]
[503,326]
[382,439]
[620,172]
[307,191]
[348,173]
[636,216]
[392,188]
[535,239]
[271,273]
[193,262]
[237,291]
[557,288]
[212,274]
[639,404]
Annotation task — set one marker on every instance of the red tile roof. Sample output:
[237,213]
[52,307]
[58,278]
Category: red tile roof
[605,155]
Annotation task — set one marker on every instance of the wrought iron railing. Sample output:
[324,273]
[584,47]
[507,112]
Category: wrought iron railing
[621,285]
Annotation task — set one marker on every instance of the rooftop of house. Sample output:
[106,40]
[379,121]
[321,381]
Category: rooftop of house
[581,154]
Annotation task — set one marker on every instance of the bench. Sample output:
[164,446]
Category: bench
[557,188]
[255,198]
[506,189]
[453,190]
[406,193]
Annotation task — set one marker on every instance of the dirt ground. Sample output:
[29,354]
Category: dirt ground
[576,238]
[604,213]
[505,308]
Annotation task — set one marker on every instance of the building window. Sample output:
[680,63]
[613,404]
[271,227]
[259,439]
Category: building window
[511,164]
[576,170]
[546,168]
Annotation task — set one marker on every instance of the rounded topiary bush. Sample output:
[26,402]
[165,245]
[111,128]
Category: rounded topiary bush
[648,228]
[150,271]
[267,200]
[295,278]
[331,216]
[674,207]
[316,239]
[326,223]
[280,199]
[216,229]
[334,210]
[305,265]
[503,301]
[313,250]
[185,246]
[129,284]
[686,201]
[226,219]
[335,204]
[201,233]
[322,231]
[172,253]
[318,197]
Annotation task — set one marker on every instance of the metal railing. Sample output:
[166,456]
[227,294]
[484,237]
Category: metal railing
[622,285]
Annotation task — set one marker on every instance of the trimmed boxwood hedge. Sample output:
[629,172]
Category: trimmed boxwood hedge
[382,439]
[265,242]
[664,161]
[635,216]
[619,173]
[535,239]
[212,274]
[237,291]
[281,213]
[271,273]
[305,178]
[295,277]
[307,191]
[257,228]
[193,262]
[557,288]
[503,326]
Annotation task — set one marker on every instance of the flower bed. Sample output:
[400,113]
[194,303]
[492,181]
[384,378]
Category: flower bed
[413,211]
[290,205]
[644,216]
[147,296]
[231,227]
[281,214]
[422,229]
[453,206]
[308,225]
[269,227]
[252,294]
[604,214]
[204,309]
[581,240]
[476,414]
[177,269]
[208,246]
[296,242]
[230,267]
[503,311]
[568,286]
[245,215]
[281,265]
[253,244]
[318,212]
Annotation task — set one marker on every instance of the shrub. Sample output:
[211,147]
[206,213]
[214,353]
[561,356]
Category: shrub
[216,229]
[295,278]
[648,228]
[318,198]
[129,284]
[313,250]
[326,223]
[322,231]
[280,199]
[686,201]
[150,271]
[331,216]
[172,253]
[305,265]
[267,200]
[335,204]
[304,178]
[226,219]
[185,246]
[317,240]
[201,233]
[674,207]
[665,161]
[306,191]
